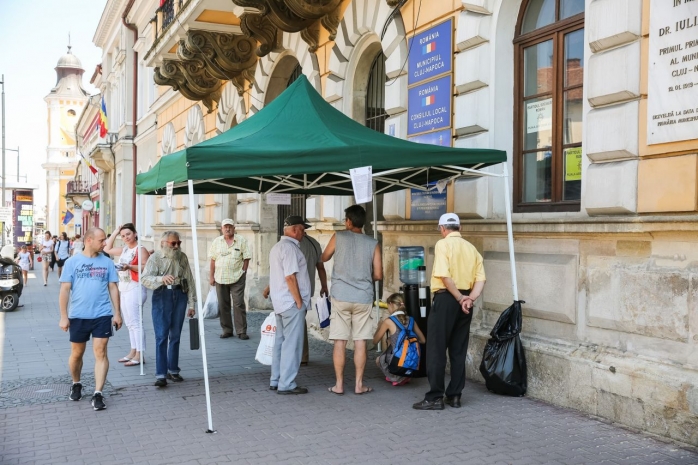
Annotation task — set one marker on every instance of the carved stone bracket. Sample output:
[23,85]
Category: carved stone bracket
[258,27]
[225,56]
[192,79]
[294,16]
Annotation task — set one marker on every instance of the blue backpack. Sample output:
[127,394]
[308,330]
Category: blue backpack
[405,361]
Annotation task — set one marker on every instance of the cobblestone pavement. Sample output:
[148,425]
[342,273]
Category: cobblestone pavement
[144,424]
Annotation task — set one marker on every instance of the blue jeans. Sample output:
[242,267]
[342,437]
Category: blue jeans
[288,348]
[169,310]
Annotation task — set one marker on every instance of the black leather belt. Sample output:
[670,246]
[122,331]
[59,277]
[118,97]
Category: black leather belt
[462,291]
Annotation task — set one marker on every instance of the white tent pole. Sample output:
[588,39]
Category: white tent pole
[510,233]
[376,284]
[139,227]
[200,314]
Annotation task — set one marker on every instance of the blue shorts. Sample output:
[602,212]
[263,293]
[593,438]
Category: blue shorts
[81,328]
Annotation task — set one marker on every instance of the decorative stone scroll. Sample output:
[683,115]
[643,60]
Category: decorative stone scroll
[226,56]
[192,79]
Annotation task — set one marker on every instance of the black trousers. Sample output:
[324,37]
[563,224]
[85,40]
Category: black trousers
[448,329]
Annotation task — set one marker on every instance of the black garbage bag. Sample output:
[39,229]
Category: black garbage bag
[504,361]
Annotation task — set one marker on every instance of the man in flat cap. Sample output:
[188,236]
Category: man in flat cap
[230,257]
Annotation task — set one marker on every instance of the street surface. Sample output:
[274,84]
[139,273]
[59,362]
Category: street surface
[144,424]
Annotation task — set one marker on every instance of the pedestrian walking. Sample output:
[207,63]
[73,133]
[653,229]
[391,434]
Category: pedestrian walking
[62,251]
[168,274]
[313,256]
[357,264]
[24,260]
[77,245]
[89,284]
[46,254]
[52,262]
[290,295]
[229,256]
[129,290]
[457,280]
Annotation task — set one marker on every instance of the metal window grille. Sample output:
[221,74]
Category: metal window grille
[375,95]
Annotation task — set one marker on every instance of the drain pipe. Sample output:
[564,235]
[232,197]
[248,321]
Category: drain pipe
[134,104]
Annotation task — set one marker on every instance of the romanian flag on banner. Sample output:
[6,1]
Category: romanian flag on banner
[89,165]
[103,122]
[428,48]
[68,217]
[428,100]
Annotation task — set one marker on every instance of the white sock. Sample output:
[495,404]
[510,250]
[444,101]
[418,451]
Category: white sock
[98,392]
[76,382]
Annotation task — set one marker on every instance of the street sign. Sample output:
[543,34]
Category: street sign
[6,214]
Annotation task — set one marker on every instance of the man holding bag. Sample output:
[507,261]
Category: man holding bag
[290,295]
[313,256]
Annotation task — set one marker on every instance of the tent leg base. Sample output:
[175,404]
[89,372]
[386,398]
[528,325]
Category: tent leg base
[210,431]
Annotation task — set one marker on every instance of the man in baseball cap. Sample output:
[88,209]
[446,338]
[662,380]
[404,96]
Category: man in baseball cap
[230,256]
[294,220]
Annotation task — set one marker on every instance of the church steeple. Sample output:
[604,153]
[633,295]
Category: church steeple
[69,76]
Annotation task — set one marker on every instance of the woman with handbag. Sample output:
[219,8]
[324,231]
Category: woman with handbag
[46,254]
[62,252]
[127,266]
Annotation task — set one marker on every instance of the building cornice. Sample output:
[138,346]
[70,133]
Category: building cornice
[111,13]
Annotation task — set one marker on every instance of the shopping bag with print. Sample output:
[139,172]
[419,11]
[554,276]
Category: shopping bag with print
[323,307]
[265,350]
[211,305]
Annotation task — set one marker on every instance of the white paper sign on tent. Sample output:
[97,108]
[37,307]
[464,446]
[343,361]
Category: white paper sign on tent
[441,185]
[278,199]
[169,188]
[362,182]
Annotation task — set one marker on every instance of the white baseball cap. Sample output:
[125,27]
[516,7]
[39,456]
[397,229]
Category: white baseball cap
[449,218]
[227,221]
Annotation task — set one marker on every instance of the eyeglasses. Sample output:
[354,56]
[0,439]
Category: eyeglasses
[174,243]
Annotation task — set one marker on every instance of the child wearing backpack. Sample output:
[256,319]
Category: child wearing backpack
[397,327]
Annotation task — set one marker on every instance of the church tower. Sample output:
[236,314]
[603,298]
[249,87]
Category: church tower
[65,104]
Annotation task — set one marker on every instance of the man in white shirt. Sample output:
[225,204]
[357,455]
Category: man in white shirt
[290,295]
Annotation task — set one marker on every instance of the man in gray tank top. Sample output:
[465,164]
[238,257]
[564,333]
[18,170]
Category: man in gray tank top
[357,264]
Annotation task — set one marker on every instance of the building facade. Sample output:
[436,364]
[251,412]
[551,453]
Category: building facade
[65,103]
[591,100]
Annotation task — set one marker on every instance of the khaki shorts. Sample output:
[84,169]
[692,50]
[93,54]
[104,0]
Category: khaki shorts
[351,320]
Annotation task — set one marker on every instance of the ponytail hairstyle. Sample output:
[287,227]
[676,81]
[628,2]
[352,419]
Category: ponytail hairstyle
[398,300]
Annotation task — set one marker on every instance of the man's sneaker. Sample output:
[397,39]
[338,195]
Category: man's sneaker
[160,382]
[75,392]
[98,401]
[175,377]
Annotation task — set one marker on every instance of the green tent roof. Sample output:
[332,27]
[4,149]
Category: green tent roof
[299,143]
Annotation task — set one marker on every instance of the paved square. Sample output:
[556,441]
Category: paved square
[144,424]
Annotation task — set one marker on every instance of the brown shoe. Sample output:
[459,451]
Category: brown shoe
[225,336]
[244,336]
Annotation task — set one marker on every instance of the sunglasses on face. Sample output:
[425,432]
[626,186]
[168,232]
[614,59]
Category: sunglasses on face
[174,243]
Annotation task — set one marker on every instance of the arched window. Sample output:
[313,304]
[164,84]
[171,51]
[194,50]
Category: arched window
[549,66]
[375,95]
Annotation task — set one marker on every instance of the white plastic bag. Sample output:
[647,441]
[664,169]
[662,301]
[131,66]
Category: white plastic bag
[211,305]
[265,351]
[323,311]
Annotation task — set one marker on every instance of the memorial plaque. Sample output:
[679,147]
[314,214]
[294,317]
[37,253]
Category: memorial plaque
[442,138]
[427,205]
[672,100]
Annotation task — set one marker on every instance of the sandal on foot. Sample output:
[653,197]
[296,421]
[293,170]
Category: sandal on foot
[368,389]
[124,360]
[133,363]
[331,389]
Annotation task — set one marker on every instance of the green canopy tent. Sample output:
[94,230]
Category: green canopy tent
[299,143]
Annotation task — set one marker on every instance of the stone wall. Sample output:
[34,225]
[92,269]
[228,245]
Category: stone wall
[611,312]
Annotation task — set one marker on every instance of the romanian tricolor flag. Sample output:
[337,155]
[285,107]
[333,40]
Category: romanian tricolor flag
[428,100]
[103,122]
[89,165]
[428,48]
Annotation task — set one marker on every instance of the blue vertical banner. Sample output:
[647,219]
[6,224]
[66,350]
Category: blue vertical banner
[431,53]
[429,106]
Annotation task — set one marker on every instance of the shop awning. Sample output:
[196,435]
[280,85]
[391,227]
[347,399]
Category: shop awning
[299,143]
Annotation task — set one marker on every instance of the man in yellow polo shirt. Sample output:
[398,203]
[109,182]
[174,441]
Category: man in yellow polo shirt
[457,280]
[230,256]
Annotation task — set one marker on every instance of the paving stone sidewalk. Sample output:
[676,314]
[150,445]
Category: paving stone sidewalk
[144,424]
